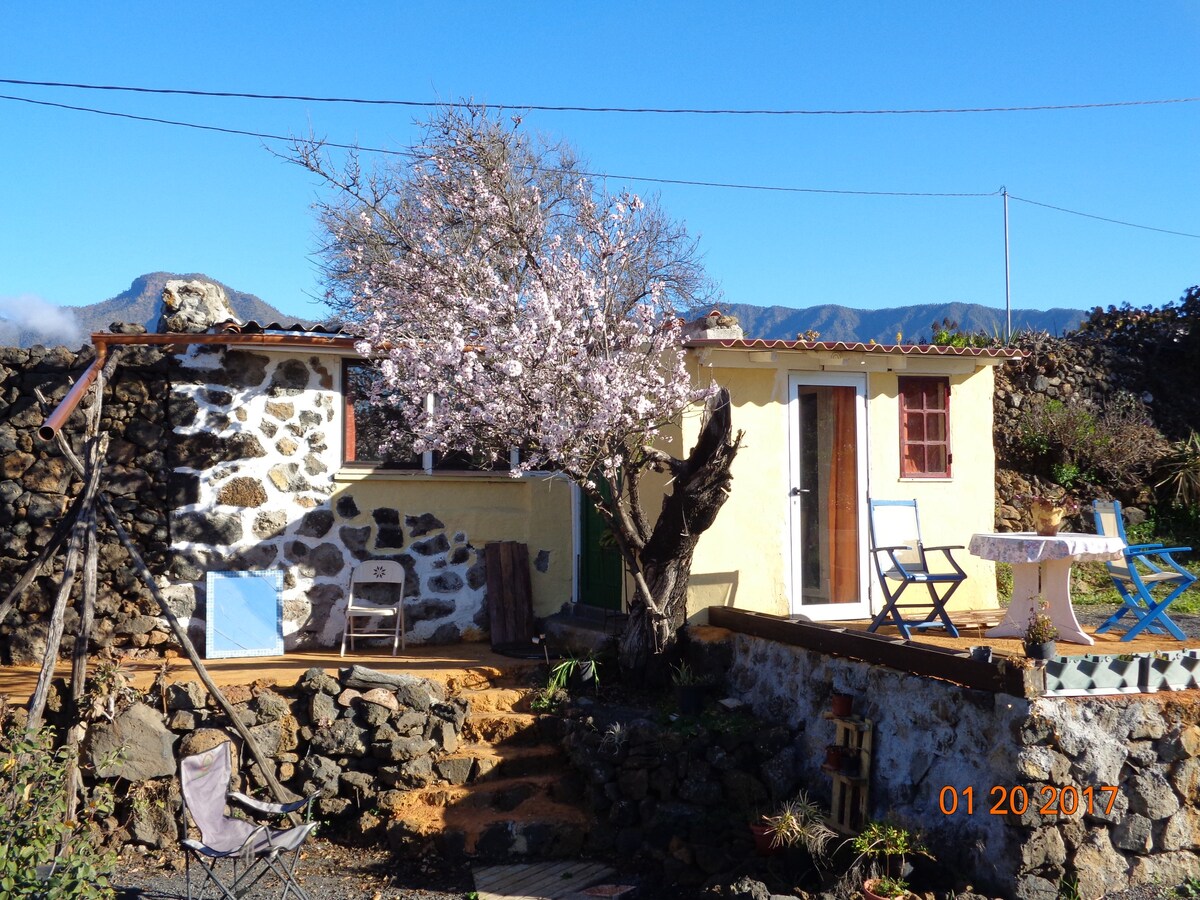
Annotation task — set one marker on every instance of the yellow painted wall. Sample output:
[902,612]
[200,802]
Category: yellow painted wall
[743,561]
[535,511]
[951,509]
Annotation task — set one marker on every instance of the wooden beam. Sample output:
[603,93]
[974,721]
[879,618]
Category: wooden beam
[999,677]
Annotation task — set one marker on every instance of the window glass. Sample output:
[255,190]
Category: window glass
[924,427]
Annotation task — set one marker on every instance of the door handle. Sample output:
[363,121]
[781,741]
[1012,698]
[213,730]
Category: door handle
[796,492]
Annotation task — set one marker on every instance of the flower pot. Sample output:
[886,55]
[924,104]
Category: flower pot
[843,760]
[764,840]
[1044,650]
[842,705]
[870,894]
[689,698]
[1047,517]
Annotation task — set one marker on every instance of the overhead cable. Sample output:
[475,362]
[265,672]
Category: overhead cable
[1076,212]
[245,95]
[291,139]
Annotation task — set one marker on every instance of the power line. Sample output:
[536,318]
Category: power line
[1076,212]
[291,139]
[244,95]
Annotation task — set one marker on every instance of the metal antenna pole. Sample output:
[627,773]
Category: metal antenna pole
[1007,287]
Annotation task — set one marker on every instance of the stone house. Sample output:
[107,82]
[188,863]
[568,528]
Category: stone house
[264,459]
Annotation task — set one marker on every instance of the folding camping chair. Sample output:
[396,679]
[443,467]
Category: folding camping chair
[251,850]
[374,571]
[1143,567]
[900,557]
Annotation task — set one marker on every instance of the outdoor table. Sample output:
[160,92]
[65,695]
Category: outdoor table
[1042,565]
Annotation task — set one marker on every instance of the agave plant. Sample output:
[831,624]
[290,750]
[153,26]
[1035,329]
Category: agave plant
[1181,471]
[800,822]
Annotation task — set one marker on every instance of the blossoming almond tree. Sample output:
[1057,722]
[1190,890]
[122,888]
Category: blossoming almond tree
[509,302]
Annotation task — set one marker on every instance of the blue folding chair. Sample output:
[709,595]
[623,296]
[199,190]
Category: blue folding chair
[900,557]
[1144,567]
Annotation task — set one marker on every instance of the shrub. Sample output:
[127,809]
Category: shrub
[1080,444]
[34,830]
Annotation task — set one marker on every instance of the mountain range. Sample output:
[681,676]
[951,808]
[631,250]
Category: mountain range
[905,324]
[897,324]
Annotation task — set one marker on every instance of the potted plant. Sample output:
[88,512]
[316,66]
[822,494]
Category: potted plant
[842,759]
[886,845]
[1048,512]
[690,688]
[1040,633]
[885,887]
[841,705]
[799,823]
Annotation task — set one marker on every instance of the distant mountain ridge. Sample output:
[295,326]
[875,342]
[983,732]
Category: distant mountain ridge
[912,324]
[140,304]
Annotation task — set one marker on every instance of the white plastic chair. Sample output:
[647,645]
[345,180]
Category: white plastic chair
[374,571]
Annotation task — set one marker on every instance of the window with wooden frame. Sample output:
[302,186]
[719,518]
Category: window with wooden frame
[924,427]
[367,426]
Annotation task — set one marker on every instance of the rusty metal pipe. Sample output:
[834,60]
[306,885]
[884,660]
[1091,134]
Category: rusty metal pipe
[102,340]
[62,412]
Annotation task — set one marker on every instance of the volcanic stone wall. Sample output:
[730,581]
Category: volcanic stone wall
[220,459]
[257,444]
[38,486]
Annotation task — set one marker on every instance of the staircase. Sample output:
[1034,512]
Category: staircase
[506,791]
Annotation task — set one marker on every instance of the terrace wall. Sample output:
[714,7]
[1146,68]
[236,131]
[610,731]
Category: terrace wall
[934,740]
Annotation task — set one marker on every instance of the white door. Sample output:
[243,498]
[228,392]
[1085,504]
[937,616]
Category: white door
[827,494]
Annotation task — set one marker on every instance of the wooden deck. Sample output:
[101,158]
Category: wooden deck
[461,666]
[972,626]
[458,665]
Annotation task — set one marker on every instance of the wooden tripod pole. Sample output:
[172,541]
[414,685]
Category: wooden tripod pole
[280,793]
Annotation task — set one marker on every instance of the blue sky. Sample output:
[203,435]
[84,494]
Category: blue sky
[87,203]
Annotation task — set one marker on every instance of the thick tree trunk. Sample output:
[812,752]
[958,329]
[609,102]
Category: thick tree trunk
[699,490]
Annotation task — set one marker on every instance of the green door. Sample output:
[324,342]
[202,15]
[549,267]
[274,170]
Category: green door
[600,570]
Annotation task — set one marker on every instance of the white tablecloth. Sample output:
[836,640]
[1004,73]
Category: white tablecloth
[1028,547]
[1042,568]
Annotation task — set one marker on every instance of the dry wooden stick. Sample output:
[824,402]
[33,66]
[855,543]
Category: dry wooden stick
[79,663]
[97,449]
[37,703]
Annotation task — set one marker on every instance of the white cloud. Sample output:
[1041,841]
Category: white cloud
[52,325]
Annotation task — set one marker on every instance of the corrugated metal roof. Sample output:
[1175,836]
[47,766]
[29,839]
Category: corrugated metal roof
[858,347]
[233,326]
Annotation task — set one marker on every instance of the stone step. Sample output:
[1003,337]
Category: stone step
[483,762]
[486,727]
[500,699]
[536,815]
[521,674]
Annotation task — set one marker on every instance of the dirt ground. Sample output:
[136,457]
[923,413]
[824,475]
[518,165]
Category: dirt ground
[327,871]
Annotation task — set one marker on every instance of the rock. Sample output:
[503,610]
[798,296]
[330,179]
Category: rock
[153,825]
[341,738]
[1151,795]
[316,680]
[201,740]
[193,306]
[135,746]
[381,697]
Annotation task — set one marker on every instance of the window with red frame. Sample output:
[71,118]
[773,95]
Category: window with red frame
[924,427]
